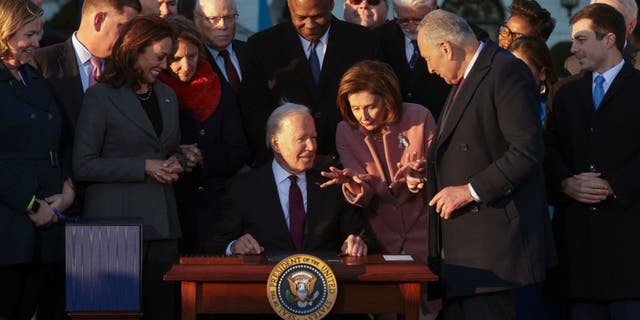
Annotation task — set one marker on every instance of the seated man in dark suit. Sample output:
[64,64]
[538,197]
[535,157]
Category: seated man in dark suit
[400,50]
[279,208]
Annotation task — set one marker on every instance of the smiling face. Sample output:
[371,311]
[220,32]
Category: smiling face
[366,14]
[368,109]
[514,28]
[23,44]
[184,61]
[311,17]
[216,34]
[590,51]
[153,60]
[294,144]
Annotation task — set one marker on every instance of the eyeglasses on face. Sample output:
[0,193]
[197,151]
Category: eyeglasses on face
[370,2]
[405,21]
[214,20]
[506,32]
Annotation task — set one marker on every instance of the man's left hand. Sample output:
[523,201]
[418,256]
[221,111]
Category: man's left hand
[451,199]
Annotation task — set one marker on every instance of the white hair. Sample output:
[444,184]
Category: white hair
[440,25]
[414,3]
[231,2]
[275,119]
[630,8]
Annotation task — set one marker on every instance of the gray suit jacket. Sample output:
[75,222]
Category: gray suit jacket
[113,138]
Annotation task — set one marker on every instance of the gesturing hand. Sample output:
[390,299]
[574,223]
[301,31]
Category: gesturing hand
[344,176]
[412,172]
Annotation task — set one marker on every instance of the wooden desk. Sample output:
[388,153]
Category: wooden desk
[234,285]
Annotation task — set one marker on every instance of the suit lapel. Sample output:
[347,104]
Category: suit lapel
[618,83]
[461,102]
[315,208]
[332,57]
[68,83]
[299,60]
[168,108]
[127,102]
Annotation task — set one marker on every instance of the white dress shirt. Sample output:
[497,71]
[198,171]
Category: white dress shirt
[220,60]
[608,75]
[321,47]
[83,58]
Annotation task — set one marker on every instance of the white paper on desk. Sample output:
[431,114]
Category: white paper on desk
[397,257]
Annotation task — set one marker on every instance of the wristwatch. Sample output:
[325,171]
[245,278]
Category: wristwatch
[34,207]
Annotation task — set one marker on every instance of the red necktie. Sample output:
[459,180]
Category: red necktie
[296,213]
[96,70]
[232,74]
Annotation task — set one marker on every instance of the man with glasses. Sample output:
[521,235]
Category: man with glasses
[400,50]
[301,62]
[367,13]
[216,21]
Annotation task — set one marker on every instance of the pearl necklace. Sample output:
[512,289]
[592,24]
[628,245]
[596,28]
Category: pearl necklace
[145,96]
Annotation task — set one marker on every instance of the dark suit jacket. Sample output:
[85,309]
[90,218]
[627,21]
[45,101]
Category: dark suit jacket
[59,65]
[278,71]
[417,85]
[493,139]
[240,50]
[30,128]
[252,206]
[597,244]
[113,139]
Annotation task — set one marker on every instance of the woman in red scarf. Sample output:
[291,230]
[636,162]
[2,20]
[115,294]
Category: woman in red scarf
[212,134]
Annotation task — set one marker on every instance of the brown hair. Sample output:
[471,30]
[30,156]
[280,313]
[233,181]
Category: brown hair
[89,6]
[538,54]
[376,78]
[538,17]
[185,29]
[136,36]
[15,14]
[604,19]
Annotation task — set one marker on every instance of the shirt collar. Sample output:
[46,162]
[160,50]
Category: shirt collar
[280,174]
[610,74]
[473,60]
[215,52]
[306,44]
[84,55]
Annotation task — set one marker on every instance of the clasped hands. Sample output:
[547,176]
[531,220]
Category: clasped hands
[247,244]
[164,171]
[193,155]
[587,187]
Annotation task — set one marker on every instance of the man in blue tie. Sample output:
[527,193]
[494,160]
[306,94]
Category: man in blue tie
[279,207]
[593,171]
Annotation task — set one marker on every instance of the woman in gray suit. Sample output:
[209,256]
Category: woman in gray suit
[126,148]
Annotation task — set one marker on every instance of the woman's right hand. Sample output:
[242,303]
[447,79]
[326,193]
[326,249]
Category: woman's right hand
[157,170]
[44,217]
[193,155]
[344,176]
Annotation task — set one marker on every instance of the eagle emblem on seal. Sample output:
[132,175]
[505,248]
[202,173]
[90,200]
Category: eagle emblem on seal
[302,286]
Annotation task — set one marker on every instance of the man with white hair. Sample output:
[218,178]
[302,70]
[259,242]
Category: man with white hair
[629,10]
[489,226]
[367,13]
[216,21]
[400,50]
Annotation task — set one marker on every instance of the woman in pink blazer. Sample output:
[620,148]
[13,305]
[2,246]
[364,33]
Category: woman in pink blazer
[379,138]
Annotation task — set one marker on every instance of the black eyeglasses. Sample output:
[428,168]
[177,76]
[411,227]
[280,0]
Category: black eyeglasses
[506,32]
[405,21]
[216,19]
[371,2]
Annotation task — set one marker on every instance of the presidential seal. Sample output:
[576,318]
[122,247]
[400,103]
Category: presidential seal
[302,286]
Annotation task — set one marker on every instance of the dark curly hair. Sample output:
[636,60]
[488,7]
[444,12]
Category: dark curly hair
[538,17]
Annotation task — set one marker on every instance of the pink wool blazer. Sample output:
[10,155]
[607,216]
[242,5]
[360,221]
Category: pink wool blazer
[398,217]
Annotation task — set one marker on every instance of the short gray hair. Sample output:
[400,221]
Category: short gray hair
[630,9]
[414,3]
[440,25]
[196,6]
[281,112]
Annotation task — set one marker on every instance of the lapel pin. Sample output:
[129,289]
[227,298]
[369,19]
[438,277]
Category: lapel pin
[167,100]
[403,142]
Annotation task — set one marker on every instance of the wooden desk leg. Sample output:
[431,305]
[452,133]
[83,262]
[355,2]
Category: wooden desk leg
[411,296]
[188,300]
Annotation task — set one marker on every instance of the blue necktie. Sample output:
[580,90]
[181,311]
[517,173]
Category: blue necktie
[598,91]
[314,62]
[415,55]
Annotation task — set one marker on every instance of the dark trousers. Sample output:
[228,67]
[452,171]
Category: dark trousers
[19,289]
[611,310]
[159,297]
[487,306]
